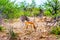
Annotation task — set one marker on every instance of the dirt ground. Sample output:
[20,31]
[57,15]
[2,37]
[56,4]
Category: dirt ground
[40,33]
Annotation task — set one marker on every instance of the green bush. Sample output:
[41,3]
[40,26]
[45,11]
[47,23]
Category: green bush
[1,28]
[55,30]
[47,13]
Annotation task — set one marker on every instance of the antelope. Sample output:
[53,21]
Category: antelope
[27,22]
[30,24]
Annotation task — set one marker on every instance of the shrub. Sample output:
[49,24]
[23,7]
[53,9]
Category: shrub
[47,13]
[12,35]
[2,28]
[55,30]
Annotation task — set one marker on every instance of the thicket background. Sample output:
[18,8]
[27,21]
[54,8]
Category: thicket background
[11,10]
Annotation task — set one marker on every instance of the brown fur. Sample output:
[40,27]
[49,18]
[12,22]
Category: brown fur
[30,24]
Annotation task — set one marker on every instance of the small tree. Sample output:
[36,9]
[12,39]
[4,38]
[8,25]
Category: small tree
[9,9]
[53,6]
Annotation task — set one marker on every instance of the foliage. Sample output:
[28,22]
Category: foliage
[47,13]
[8,9]
[53,6]
[11,10]
[1,28]
[55,30]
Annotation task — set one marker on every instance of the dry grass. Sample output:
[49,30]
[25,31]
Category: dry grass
[41,32]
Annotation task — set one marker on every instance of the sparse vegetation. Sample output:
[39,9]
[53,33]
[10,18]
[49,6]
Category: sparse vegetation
[55,30]
[12,35]
[1,28]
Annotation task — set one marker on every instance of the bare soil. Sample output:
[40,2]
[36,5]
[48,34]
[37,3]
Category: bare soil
[42,31]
